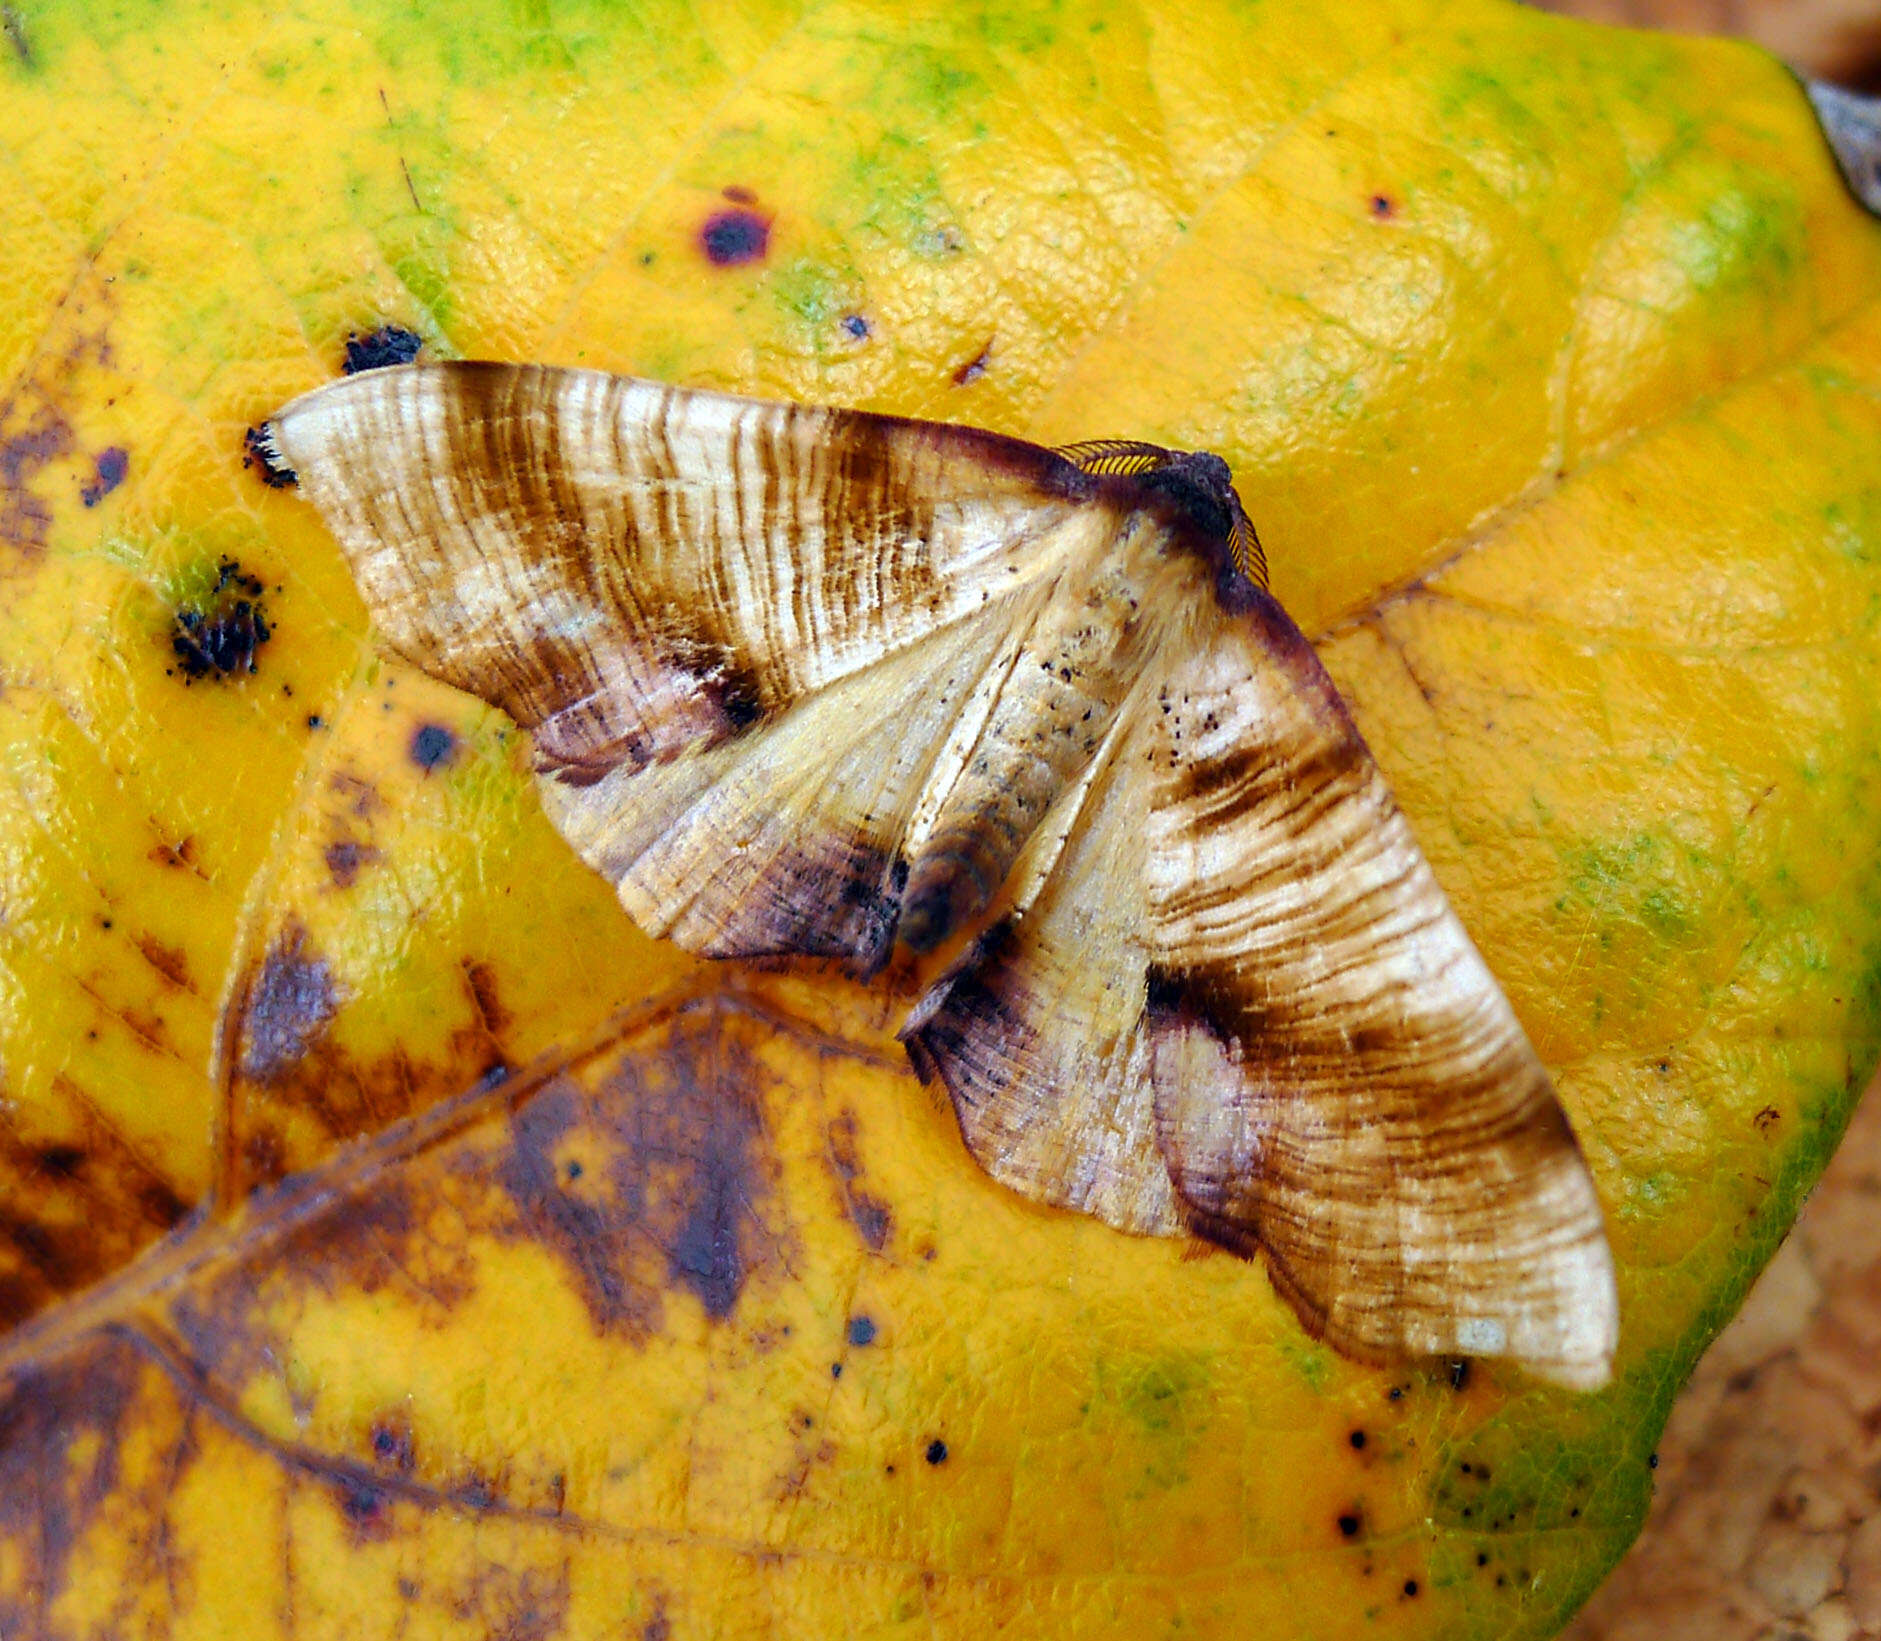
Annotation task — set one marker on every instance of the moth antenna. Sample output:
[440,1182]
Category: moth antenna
[1103,456]
[1250,558]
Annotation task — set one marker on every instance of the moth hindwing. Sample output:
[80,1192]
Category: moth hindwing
[809,682]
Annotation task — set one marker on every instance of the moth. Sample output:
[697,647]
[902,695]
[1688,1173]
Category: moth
[814,682]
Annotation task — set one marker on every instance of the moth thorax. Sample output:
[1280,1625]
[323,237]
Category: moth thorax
[1201,486]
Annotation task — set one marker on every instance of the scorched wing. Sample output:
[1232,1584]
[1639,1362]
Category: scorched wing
[808,681]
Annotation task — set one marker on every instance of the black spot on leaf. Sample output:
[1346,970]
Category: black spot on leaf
[432,745]
[861,1330]
[733,238]
[392,1444]
[110,465]
[220,634]
[936,1452]
[388,345]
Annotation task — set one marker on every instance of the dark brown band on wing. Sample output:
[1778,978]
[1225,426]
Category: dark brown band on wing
[975,1032]
[827,897]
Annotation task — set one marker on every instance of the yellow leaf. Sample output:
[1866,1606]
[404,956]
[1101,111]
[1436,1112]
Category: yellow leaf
[393,1242]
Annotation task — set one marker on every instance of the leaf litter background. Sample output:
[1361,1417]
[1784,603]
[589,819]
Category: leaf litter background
[1548,359]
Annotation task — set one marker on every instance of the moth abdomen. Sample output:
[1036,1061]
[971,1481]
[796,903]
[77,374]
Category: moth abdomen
[951,886]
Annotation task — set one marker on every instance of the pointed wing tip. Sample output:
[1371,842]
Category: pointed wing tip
[1570,1341]
[264,448]
[1564,1331]
[1591,1335]
[1583,1376]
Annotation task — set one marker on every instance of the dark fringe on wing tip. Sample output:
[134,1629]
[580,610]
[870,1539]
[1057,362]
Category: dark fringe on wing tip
[262,448]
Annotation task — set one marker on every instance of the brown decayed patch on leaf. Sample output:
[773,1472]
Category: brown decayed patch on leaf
[393,1240]
[169,961]
[344,860]
[105,1439]
[26,446]
[36,432]
[643,1167]
[294,1071]
[481,982]
[59,1448]
[180,855]
[670,1154]
[287,1007]
[74,1209]
[337,1052]
[870,1215]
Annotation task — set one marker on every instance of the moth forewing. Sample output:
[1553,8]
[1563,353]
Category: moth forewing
[808,682]
[1338,1076]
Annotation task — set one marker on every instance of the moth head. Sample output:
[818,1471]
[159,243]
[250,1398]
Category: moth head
[1196,484]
